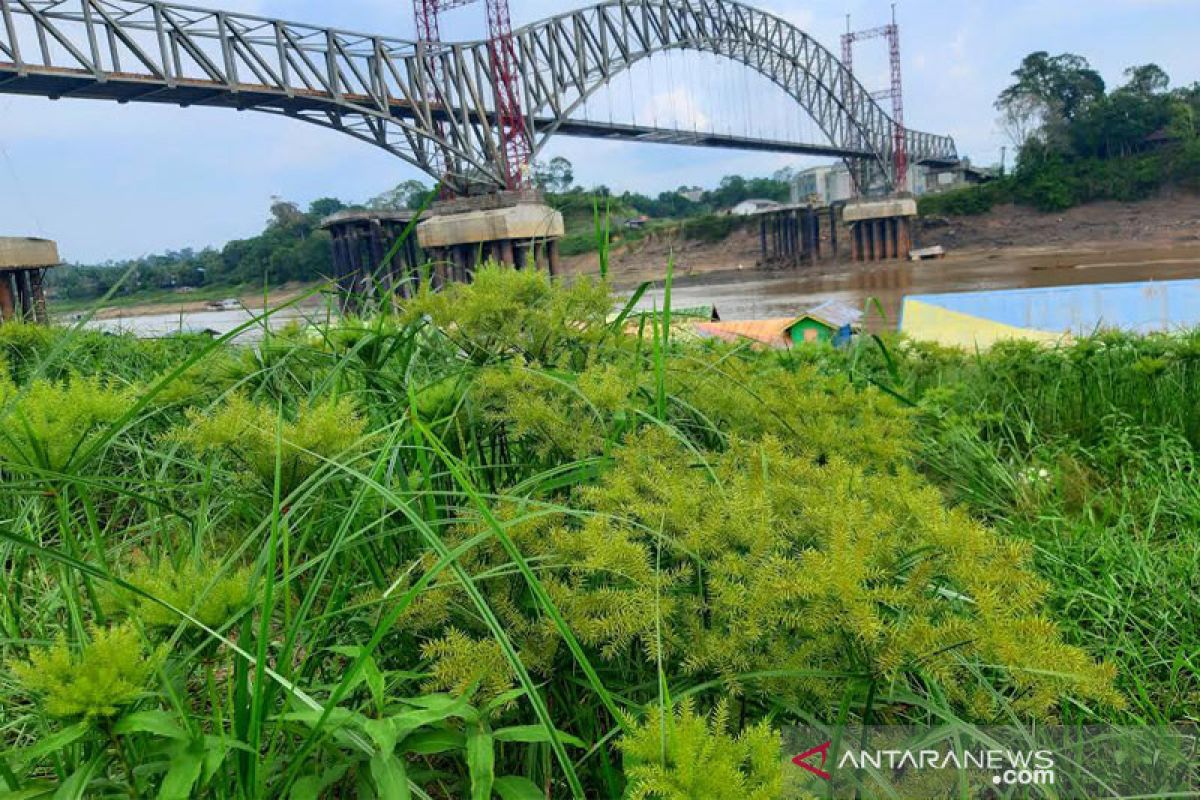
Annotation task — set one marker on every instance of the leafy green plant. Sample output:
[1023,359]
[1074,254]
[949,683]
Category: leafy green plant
[203,589]
[483,547]
[323,429]
[506,313]
[111,671]
[686,755]
[47,424]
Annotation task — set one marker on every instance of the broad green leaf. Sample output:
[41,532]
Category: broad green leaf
[438,740]
[160,723]
[391,782]
[534,734]
[310,787]
[182,772]
[434,708]
[375,681]
[215,750]
[513,787]
[75,787]
[383,733]
[337,718]
[504,698]
[47,745]
[29,792]
[306,788]
[451,705]
[347,650]
[369,673]
[481,762]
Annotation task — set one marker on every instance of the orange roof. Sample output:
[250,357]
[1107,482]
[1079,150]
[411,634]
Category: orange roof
[770,332]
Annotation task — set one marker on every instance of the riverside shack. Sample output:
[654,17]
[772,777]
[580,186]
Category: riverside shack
[830,322]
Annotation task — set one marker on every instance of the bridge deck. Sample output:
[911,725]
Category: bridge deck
[59,82]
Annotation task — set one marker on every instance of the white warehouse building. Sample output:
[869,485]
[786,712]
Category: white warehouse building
[830,183]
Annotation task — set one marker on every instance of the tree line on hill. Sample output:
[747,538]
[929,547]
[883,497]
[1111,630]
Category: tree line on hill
[292,246]
[1076,141]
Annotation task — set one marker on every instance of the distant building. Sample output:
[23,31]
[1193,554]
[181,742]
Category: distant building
[831,322]
[956,176]
[830,183]
[754,206]
[693,195]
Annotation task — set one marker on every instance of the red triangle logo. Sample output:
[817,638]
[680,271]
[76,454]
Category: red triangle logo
[802,760]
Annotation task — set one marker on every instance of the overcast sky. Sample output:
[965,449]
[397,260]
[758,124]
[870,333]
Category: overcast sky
[112,182]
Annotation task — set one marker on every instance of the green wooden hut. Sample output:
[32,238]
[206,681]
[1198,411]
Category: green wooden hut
[830,322]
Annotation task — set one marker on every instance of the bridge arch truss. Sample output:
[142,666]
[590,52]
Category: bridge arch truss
[419,99]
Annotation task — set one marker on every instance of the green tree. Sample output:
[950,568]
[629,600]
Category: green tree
[324,206]
[1147,79]
[285,214]
[408,195]
[1183,121]
[557,176]
[1054,89]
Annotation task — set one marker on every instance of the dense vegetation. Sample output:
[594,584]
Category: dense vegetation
[1077,143]
[292,247]
[496,545]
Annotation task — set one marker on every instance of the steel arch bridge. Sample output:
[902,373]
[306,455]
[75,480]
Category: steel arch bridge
[419,100]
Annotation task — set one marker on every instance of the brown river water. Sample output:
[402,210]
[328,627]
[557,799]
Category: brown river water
[751,294]
[759,295]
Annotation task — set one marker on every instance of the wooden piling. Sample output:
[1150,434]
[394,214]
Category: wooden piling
[905,245]
[833,232]
[814,234]
[37,281]
[7,297]
[506,253]
[25,293]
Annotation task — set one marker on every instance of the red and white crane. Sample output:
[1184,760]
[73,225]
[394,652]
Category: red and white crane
[515,150]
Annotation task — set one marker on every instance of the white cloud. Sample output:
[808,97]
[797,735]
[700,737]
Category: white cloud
[677,108]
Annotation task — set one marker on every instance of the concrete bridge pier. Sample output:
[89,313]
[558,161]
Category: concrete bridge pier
[456,263]
[792,236]
[23,266]
[444,246]
[514,228]
[880,230]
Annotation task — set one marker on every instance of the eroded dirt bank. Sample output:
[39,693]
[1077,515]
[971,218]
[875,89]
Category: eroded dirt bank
[1161,225]
[1005,249]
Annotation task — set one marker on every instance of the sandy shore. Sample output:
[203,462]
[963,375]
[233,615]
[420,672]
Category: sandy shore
[250,300]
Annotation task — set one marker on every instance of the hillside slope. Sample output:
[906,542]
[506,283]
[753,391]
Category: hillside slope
[1162,221]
